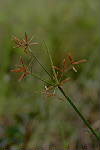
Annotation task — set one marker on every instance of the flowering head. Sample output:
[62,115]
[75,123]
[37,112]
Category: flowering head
[22,68]
[24,43]
[73,63]
[57,78]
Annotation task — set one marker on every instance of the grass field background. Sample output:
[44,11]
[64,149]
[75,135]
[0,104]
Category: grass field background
[66,26]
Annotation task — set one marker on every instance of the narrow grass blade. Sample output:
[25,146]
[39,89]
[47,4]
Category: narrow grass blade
[54,72]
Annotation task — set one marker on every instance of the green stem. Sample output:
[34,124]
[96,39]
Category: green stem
[54,72]
[41,64]
[38,77]
[79,113]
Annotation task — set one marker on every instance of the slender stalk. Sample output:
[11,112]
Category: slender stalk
[41,64]
[38,77]
[31,62]
[54,72]
[79,113]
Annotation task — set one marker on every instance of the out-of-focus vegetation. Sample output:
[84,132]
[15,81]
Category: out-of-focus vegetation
[66,26]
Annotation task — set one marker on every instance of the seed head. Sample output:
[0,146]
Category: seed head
[24,43]
[73,63]
[22,68]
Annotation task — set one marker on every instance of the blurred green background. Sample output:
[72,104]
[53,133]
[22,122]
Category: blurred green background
[66,26]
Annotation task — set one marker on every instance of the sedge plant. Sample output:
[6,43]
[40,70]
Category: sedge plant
[57,77]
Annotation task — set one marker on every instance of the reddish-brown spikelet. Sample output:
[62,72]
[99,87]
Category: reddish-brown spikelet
[57,68]
[64,64]
[22,68]
[64,81]
[76,62]
[25,43]
[26,37]
[79,62]
[73,63]
[64,67]
[23,76]
[71,59]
